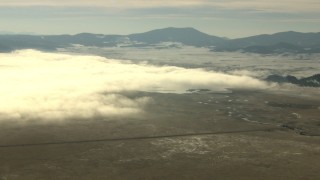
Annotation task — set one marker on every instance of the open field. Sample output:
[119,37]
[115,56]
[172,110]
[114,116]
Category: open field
[239,135]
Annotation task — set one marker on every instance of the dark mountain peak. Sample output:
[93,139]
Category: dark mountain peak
[286,32]
[170,31]
[184,29]
[178,28]
[89,35]
[188,36]
[282,42]
[83,34]
[312,81]
[315,77]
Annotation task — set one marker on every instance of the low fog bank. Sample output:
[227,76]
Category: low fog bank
[254,65]
[54,86]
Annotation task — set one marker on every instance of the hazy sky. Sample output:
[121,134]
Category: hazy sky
[229,18]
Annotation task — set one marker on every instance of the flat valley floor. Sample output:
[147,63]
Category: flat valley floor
[239,135]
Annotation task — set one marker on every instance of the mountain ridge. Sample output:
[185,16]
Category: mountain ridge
[281,42]
[188,36]
[311,81]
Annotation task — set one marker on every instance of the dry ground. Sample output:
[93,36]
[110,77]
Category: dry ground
[250,135]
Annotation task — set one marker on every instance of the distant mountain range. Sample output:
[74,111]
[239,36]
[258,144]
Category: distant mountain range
[284,42]
[312,81]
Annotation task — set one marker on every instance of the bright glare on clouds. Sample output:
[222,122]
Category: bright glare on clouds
[50,86]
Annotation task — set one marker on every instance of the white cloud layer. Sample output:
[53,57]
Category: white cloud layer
[52,86]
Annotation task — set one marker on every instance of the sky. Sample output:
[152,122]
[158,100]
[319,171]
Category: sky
[224,18]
